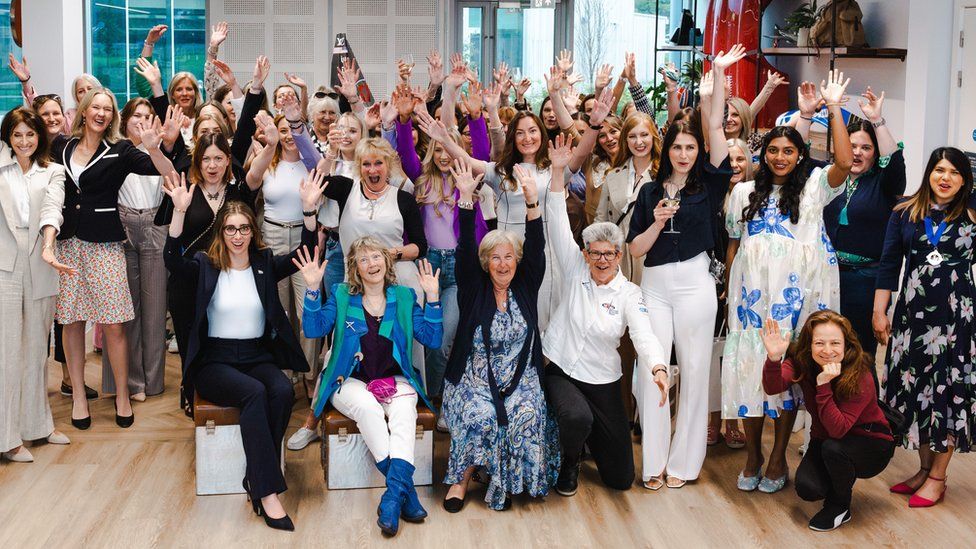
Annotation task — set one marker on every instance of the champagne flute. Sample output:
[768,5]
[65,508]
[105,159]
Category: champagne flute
[410,61]
[672,199]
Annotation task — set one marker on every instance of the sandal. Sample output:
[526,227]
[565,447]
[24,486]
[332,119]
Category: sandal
[654,483]
[735,439]
[675,482]
[712,438]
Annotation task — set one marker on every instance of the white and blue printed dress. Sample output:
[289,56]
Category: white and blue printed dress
[782,270]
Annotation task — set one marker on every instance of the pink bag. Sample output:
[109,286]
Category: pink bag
[383,389]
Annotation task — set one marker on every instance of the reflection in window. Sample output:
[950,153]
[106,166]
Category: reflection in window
[525,41]
[10,94]
[112,51]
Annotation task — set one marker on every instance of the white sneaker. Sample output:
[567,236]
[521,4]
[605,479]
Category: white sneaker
[172,347]
[442,424]
[302,438]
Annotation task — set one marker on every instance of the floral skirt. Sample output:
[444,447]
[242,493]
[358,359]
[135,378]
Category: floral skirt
[100,291]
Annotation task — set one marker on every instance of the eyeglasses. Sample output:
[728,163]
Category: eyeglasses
[595,255]
[230,230]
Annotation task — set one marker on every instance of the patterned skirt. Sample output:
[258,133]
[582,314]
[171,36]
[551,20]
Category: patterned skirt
[100,291]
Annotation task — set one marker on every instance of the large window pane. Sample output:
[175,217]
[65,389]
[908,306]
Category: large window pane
[10,88]
[524,39]
[472,40]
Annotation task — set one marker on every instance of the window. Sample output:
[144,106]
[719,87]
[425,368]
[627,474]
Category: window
[117,29]
[10,89]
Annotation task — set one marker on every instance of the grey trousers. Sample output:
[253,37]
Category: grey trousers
[25,413]
[146,333]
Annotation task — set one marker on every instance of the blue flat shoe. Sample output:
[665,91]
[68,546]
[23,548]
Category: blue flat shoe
[771,486]
[748,484]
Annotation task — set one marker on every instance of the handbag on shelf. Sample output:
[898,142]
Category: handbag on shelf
[850,29]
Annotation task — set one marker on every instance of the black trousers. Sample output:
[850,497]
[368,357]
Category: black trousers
[242,373]
[830,467]
[593,415]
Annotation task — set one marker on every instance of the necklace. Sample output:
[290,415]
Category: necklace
[215,195]
[374,304]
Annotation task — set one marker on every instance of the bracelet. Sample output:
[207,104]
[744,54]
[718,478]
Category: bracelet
[48,247]
[295,125]
[879,123]
[314,294]
[808,118]
[353,102]
[466,204]
[148,44]
[532,205]
[435,304]
[178,210]
[597,128]
[309,213]
[24,81]
[834,104]
[656,370]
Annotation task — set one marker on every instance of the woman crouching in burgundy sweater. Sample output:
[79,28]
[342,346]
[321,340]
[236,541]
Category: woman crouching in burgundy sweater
[849,437]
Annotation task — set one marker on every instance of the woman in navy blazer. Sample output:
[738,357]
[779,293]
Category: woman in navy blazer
[240,338]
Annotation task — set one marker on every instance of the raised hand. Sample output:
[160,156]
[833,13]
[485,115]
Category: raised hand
[175,119]
[832,89]
[472,100]
[807,99]
[872,107]
[335,137]
[554,80]
[500,74]
[49,257]
[310,268]
[603,75]
[602,107]
[291,109]
[493,96]
[311,188]
[435,129]
[435,68]
[775,342]
[224,73]
[707,85]
[296,80]
[174,185]
[829,372]
[661,380]
[459,72]
[404,70]
[266,125]
[19,68]
[725,60]
[218,33]
[464,181]
[522,87]
[155,34]
[403,99]
[149,71]
[565,61]
[429,280]
[629,71]
[372,118]
[527,182]
[348,76]
[151,134]
[670,74]
[388,112]
[262,68]
[775,79]
[560,152]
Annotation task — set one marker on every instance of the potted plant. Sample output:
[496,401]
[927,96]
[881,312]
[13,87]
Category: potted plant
[799,22]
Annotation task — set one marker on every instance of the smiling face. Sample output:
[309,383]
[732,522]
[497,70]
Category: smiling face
[371,266]
[502,263]
[207,126]
[528,136]
[640,141]
[945,181]
[185,93]
[827,343]
[738,159]
[282,94]
[142,116]
[782,156]
[83,86]
[351,135]
[442,159]
[588,105]
[549,116]
[864,153]
[234,229]
[323,120]
[99,114]
[53,117]
[213,165]
[375,172]
[229,108]
[609,140]
[285,138]
[23,140]
[683,153]
[604,261]
[733,123]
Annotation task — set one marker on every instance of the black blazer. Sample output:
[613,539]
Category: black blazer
[476,297]
[90,199]
[279,337]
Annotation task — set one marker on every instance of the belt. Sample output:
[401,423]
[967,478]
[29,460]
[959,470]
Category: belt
[846,267]
[283,224]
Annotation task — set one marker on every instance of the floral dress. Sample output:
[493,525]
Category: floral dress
[930,375]
[782,270]
[523,456]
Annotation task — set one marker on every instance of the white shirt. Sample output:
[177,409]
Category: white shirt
[18,187]
[141,192]
[585,331]
[281,188]
[235,310]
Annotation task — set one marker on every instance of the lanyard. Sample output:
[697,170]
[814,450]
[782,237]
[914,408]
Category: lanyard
[936,235]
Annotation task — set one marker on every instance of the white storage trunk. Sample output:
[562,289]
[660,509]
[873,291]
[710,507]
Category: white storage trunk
[220,461]
[348,463]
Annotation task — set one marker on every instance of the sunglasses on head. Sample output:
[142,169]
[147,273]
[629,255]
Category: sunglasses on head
[324,94]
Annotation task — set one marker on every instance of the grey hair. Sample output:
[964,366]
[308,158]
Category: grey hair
[603,232]
[494,239]
[318,104]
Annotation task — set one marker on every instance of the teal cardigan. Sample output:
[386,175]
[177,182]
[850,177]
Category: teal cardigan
[403,321]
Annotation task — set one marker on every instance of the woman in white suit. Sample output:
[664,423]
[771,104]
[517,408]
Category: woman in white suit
[31,197]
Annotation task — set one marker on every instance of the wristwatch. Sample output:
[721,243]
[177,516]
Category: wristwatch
[399,254]
[532,205]
[879,123]
[467,205]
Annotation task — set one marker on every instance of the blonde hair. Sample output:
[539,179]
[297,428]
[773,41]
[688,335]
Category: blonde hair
[745,116]
[367,244]
[428,185]
[747,172]
[495,239]
[379,147]
[224,129]
[78,124]
[179,77]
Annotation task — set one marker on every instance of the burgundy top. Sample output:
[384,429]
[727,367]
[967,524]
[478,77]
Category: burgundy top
[831,418]
[377,361]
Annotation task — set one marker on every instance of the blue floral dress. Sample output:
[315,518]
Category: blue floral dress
[524,456]
[782,270]
[931,376]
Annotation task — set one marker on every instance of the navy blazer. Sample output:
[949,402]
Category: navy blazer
[268,269]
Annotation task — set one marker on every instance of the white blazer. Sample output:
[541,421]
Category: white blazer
[45,187]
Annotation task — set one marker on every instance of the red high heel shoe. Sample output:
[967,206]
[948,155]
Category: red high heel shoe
[919,501]
[903,488]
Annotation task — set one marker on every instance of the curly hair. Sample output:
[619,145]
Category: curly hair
[789,200]
[855,364]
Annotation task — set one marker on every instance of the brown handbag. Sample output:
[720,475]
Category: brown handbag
[850,29]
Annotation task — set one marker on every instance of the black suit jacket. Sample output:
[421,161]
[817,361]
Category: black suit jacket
[268,269]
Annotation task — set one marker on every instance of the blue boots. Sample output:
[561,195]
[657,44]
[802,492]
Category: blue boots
[400,498]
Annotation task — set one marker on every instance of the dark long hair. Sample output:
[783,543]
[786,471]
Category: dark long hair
[217,251]
[510,156]
[855,364]
[861,125]
[919,204]
[204,142]
[789,200]
[33,121]
[664,171]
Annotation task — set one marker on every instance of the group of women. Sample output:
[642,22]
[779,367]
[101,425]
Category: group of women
[522,274]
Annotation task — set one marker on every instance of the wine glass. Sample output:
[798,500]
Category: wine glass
[672,199]
[410,61]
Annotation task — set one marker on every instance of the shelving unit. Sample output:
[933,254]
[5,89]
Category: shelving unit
[692,49]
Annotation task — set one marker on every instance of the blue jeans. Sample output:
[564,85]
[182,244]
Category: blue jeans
[436,360]
[857,285]
[335,270]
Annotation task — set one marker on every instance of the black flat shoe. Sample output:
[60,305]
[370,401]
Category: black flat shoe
[124,421]
[67,390]
[507,504]
[454,505]
[81,424]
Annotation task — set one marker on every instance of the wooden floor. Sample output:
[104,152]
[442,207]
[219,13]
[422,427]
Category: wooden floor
[135,488]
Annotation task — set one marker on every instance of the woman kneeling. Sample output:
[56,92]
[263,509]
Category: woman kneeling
[370,377]
[849,436]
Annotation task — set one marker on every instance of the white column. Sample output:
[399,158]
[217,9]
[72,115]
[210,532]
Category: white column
[54,44]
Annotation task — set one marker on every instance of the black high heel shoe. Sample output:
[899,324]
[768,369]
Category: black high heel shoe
[122,421]
[81,424]
[283,523]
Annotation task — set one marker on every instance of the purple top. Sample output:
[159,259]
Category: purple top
[480,141]
[309,154]
[377,361]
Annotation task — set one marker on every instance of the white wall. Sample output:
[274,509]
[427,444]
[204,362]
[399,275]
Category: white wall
[55,55]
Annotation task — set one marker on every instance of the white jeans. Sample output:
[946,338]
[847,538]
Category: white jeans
[682,305]
[389,429]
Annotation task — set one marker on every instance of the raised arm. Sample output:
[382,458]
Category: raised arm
[452,84]
[299,83]
[143,86]
[563,245]
[262,161]
[601,108]
[218,33]
[773,79]
[871,107]
[22,72]
[467,268]
[348,78]
[718,147]
[438,132]
[833,93]
[149,72]
[555,82]
[807,101]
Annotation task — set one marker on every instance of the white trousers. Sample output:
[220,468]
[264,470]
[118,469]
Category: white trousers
[390,430]
[682,305]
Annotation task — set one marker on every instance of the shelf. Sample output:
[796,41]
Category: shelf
[678,48]
[863,53]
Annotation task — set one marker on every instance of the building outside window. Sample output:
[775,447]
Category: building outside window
[10,89]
